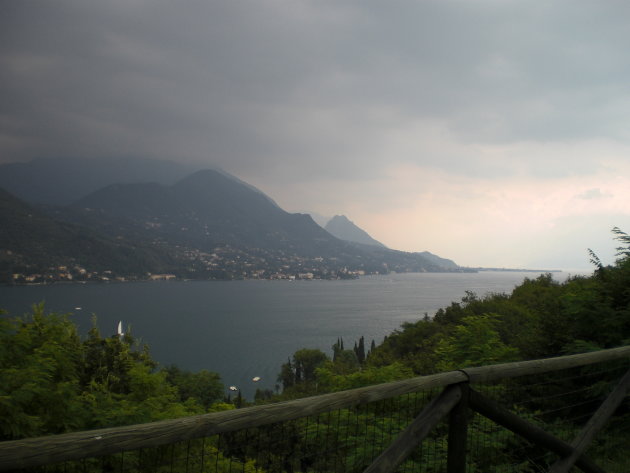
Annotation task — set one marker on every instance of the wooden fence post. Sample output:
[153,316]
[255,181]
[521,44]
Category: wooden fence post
[458,433]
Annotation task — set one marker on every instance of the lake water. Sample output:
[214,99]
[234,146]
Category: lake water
[243,329]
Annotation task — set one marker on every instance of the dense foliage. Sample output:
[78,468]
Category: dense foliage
[52,381]
[32,242]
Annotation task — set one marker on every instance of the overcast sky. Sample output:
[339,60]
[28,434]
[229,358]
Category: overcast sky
[495,133]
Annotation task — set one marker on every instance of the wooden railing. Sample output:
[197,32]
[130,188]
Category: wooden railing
[457,397]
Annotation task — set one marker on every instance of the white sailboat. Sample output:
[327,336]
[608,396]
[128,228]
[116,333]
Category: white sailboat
[120,332]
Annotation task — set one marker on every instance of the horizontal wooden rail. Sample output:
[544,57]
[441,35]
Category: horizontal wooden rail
[485,374]
[56,448]
[73,446]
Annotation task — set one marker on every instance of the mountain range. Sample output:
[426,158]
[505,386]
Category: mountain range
[207,224]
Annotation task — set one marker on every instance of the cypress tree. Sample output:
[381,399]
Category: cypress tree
[337,348]
[361,350]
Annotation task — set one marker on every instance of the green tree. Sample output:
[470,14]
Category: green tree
[475,342]
[360,350]
[414,345]
[346,362]
[39,358]
[204,386]
[99,382]
[298,375]
[305,362]
[287,375]
[329,379]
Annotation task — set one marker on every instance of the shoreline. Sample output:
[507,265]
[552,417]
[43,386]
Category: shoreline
[289,278]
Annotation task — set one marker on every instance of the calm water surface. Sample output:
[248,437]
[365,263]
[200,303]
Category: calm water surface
[243,329]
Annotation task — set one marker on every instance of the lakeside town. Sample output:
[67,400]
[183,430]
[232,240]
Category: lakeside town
[224,263]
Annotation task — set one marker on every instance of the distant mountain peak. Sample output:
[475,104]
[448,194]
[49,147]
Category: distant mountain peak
[344,229]
[318,218]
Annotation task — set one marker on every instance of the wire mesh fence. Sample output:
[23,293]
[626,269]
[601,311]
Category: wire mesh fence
[349,439]
[561,403]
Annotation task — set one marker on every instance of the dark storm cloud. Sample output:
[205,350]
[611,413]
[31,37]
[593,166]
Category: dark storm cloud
[307,88]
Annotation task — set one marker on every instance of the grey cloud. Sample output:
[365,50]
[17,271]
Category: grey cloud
[304,89]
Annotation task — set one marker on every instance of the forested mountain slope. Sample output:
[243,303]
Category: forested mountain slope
[32,241]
